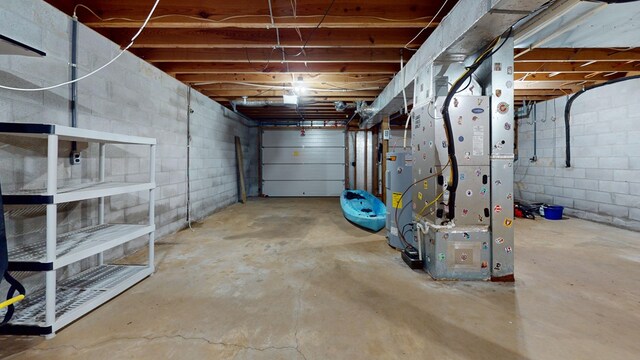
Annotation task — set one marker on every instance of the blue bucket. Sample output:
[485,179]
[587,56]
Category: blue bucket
[553,212]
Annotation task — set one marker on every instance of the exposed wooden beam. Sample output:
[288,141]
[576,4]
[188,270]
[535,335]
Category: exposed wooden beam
[217,10]
[569,67]
[543,92]
[231,86]
[262,22]
[536,98]
[539,85]
[259,55]
[565,76]
[278,78]
[336,68]
[266,92]
[266,38]
[577,55]
[314,100]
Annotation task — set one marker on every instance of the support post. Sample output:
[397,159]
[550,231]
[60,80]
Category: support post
[385,150]
[239,157]
[355,160]
[51,233]
[152,204]
[101,177]
[366,160]
[347,163]
[375,164]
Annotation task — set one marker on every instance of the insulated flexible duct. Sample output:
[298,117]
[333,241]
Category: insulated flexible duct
[262,103]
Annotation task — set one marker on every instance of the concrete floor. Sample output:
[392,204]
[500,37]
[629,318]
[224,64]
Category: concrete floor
[291,279]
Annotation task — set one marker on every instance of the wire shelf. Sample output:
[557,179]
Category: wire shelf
[75,292]
[79,240]
[75,192]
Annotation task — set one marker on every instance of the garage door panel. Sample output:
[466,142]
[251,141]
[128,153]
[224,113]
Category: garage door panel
[327,172]
[310,165]
[303,155]
[312,138]
[303,188]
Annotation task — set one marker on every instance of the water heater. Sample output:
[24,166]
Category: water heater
[399,199]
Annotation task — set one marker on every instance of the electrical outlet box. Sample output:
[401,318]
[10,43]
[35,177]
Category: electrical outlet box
[74,158]
[386,134]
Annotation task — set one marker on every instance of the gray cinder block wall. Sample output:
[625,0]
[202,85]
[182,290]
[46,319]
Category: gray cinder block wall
[129,97]
[603,183]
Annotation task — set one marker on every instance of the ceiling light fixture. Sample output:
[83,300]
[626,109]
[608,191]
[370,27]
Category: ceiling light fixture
[299,86]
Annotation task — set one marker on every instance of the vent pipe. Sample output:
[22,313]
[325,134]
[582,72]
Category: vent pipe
[365,111]
[244,102]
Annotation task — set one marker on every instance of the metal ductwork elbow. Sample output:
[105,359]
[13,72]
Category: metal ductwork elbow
[365,111]
[342,106]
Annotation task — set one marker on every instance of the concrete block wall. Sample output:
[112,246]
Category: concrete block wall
[129,97]
[603,183]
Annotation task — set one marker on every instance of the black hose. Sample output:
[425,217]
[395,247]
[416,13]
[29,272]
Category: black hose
[567,112]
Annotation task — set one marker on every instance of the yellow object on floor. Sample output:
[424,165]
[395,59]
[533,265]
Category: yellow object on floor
[11,301]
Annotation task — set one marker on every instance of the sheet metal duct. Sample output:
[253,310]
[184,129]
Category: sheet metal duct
[471,25]
[263,103]
[584,24]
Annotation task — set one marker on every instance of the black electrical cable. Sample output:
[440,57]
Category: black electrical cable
[402,239]
[567,112]
[405,226]
[304,46]
[451,150]
[4,267]
[466,87]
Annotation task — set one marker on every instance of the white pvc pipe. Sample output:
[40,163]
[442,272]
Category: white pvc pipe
[406,126]
[422,230]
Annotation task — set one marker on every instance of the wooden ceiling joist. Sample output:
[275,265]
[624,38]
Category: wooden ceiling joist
[238,11]
[543,77]
[544,92]
[573,67]
[229,49]
[258,55]
[290,39]
[276,78]
[577,55]
[263,22]
[266,92]
[311,101]
[336,68]
[311,86]
[344,50]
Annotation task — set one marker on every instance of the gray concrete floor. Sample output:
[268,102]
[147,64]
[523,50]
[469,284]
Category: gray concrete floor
[292,279]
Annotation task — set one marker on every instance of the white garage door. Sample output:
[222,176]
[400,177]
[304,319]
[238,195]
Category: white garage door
[309,165]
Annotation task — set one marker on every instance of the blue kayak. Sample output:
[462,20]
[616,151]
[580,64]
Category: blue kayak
[363,209]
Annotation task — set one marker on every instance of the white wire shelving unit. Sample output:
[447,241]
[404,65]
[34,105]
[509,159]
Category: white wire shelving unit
[58,303]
